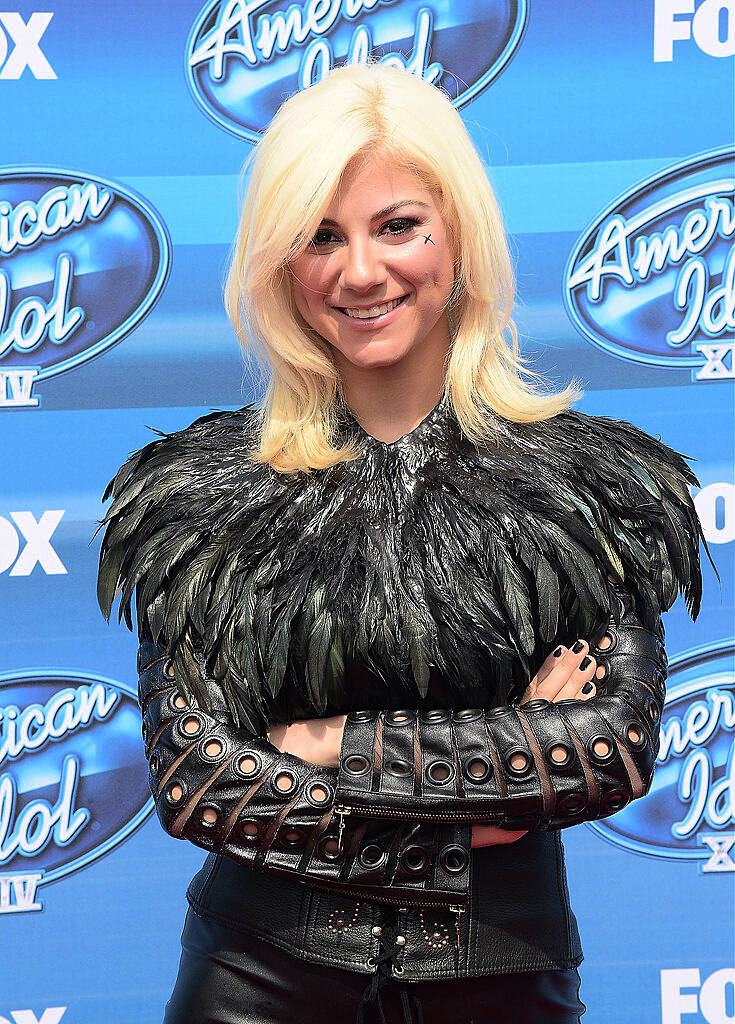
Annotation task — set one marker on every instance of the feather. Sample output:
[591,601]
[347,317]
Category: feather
[431,568]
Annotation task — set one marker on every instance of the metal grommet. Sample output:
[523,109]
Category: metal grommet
[635,735]
[573,803]
[319,794]
[528,761]
[177,702]
[595,755]
[537,704]
[614,801]
[398,970]
[211,821]
[477,778]
[554,762]
[414,859]
[293,837]
[211,748]
[399,768]
[170,792]
[328,848]
[247,765]
[249,829]
[399,717]
[499,711]
[435,716]
[284,773]
[454,859]
[371,856]
[653,711]
[371,961]
[468,715]
[153,764]
[361,716]
[168,668]
[439,773]
[190,719]
[355,764]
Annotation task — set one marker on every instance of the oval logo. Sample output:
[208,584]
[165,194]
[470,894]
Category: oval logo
[84,260]
[73,775]
[242,60]
[652,279]
[690,809]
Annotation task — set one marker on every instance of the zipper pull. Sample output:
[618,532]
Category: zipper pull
[456,909]
[341,812]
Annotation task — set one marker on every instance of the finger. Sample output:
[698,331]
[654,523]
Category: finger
[551,662]
[560,674]
[581,682]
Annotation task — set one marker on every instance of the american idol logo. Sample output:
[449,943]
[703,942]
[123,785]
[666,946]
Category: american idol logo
[243,58]
[82,261]
[652,279]
[73,780]
[689,812]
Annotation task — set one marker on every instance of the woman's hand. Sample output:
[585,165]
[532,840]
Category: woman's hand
[561,676]
[317,740]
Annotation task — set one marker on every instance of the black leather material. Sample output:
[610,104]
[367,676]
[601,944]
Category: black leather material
[232,978]
[224,789]
[537,765]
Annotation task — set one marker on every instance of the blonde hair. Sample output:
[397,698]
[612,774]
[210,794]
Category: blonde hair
[296,168]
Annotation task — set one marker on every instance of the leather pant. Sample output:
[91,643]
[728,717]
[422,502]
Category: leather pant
[227,977]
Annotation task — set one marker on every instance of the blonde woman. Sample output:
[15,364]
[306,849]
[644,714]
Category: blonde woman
[400,625]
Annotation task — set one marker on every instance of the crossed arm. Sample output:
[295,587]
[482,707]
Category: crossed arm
[396,813]
[566,674]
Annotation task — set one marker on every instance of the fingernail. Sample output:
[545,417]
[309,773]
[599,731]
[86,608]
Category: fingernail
[558,651]
[587,687]
[578,647]
[584,663]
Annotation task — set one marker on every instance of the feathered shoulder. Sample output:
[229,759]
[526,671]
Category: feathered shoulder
[427,563]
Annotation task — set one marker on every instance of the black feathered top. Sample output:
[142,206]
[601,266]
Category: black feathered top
[427,571]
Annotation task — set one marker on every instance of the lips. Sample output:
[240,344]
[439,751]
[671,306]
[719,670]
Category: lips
[343,309]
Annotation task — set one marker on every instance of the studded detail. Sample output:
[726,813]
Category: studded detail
[543,764]
[223,788]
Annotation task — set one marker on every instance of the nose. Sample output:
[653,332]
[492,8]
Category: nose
[362,267]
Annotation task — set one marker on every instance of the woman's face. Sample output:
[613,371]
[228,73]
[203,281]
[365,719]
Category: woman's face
[364,255]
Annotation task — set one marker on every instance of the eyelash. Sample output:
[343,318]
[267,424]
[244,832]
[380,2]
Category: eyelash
[411,223]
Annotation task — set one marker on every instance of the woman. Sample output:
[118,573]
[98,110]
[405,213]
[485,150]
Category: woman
[400,626]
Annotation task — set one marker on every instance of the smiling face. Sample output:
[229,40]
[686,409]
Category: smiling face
[365,255]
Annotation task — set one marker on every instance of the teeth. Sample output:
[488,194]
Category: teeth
[365,314]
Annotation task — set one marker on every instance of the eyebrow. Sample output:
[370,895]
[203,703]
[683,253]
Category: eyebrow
[384,213]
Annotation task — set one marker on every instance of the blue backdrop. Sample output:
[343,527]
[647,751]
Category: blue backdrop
[608,133]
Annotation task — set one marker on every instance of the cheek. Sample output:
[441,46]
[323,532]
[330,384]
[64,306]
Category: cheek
[425,265]
[309,282]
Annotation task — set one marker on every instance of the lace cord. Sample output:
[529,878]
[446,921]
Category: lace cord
[388,950]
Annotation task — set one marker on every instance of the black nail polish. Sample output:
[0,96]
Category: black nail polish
[584,663]
[578,647]
[587,687]
[558,651]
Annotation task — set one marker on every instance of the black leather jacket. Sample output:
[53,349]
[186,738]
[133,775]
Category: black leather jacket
[327,861]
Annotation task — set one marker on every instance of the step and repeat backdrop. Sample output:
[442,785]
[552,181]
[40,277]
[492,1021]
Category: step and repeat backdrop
[607,130]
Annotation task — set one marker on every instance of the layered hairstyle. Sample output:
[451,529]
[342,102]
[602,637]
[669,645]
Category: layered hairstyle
[294,171]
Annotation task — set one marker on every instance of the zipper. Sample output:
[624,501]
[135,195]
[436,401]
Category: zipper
[341,812]
[458,910]
[390,812]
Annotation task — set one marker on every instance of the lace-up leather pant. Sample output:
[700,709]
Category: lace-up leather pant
[227,977]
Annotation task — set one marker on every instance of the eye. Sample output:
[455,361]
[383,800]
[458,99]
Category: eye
[396,226]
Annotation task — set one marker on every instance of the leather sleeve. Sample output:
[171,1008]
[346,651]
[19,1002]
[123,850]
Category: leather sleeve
[537,765]
[225,789]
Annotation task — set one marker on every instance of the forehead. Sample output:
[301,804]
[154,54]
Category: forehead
[368,185]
